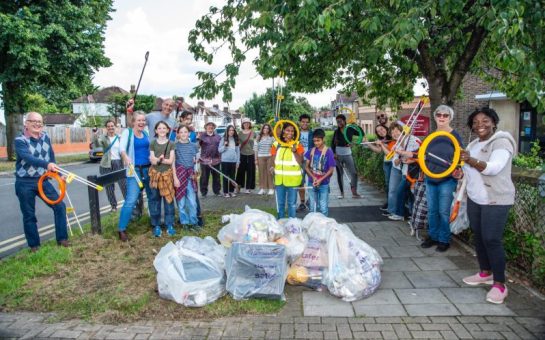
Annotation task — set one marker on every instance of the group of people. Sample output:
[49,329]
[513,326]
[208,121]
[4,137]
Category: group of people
[426,201]
[165,158]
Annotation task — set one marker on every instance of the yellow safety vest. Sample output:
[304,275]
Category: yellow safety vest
[287,171]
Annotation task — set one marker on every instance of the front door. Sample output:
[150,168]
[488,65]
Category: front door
[528,131]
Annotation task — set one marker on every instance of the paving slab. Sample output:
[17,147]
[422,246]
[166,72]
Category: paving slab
[380,297]
[377,311]
[394,280]
[465,295]
[435,263]
[324,304]
[399,264]
[437,309]
[483,309]
[430,279]
[404,251]
[421,296]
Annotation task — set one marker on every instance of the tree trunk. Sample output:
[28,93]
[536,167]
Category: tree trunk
[13,110]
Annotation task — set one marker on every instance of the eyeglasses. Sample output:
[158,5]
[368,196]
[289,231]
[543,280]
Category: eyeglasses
[442,115]
[381,116]
[35,122]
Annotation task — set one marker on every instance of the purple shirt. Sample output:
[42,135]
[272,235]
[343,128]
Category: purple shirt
[209,148]
[320,165]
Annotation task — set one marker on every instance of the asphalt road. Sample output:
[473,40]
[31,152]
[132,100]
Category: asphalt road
[11,220]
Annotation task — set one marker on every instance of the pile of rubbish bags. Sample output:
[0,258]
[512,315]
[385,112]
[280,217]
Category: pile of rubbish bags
[259,254]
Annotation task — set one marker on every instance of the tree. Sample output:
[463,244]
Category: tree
[37,102]
[379,48]
[260,108]
[53,46]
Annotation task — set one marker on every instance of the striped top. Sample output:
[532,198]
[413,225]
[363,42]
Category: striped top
[186,153]
[263,147]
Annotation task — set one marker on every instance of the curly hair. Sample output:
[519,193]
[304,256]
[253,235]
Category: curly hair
[490,113]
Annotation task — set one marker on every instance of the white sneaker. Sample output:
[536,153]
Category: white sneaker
[341,196]
[247,191]
[271,192]
[396,217]
[261,192]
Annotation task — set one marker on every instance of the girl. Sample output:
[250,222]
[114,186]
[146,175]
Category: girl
[262,149]
[287,171]
[383,144]
[185,179]
[161,179]
[246,172]
[230,158]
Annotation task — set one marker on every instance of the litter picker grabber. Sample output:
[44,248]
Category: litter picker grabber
[70,209]
[407,129]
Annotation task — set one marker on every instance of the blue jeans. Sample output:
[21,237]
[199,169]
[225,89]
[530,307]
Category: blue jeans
[133,191]
[281,193]
[319,196]
[188,206]
[27,190]
[401,195]
[387,168]
[395,178]
[154,204]
[439,196]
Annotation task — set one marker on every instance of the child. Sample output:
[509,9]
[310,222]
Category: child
[185,179]
[262,149]
[319,167]
[230,159]
[161,179]
[287,170]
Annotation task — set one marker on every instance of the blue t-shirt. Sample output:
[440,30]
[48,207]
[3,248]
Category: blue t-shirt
[320,165]
[441,147]
[185,154]
[141,150]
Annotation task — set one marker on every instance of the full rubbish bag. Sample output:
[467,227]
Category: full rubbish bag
[310,268]
[295,239]
[256,270]
[191,272]
[354,266]
[252,226]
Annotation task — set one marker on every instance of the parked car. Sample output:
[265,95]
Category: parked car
[220,130]
[95,153]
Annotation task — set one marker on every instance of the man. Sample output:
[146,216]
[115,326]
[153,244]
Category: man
[153,118]
[306,139]
[210,157]
[343,155]
[382,118]
[35,156]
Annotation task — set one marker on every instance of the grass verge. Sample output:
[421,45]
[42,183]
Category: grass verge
[61,159]
[104,280]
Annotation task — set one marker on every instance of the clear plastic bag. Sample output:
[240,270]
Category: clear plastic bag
[318,226]
[354,266]
[190,277]
[252,226]
[256,270]
[461,222]
[295,239]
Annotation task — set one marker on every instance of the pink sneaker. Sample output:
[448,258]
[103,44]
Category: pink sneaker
[495,295]
[478,279]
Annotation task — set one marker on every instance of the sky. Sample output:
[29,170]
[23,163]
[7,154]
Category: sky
[161,27]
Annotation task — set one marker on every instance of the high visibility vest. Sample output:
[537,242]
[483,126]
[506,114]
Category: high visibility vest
[287,171]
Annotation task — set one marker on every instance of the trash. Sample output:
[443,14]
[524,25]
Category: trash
[310,268]
[191,272]
[318,226]
[256,270]
[461,222]
[295,239]
[354,266]
[252,226]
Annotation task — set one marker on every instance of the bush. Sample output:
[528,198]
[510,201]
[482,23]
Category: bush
[369,165]
[531,160]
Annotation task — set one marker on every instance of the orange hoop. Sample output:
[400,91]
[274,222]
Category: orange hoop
[62,187]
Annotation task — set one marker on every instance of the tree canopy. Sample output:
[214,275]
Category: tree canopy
[49,47]
[261,109]
[378,48]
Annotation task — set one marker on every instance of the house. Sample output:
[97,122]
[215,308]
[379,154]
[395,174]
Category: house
[60,119]
[97,104]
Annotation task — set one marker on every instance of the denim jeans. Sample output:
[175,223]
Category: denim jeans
[319,198]
[187,206]
[395,178]
[403,189]
[133,191]
[26,190]
[281,193]
[387,168]
[154,204]
[439,196]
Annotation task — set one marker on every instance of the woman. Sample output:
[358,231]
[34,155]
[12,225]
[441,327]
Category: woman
[262,149]
[395,172]
[229,149]
[383,144]
[246,170]
[491,194]
[287,171]
[111,160]
[439,192]
[135,152]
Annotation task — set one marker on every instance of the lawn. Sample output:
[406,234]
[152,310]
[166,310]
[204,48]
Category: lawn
[102,279]
[61,159]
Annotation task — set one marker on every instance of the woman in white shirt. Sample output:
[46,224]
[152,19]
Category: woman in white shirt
[491,194]
[263,159]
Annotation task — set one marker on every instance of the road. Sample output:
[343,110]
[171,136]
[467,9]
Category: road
[11,225]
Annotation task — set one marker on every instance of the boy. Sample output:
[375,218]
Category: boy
[306,140]
[319,167]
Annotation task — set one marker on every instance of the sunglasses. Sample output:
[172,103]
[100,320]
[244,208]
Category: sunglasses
[442,115]
[381,116]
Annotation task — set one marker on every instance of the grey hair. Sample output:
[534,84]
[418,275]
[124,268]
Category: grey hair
[136,114]
[445,109]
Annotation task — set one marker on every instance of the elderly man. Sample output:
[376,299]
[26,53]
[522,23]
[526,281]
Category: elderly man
[165,116]
[34,157]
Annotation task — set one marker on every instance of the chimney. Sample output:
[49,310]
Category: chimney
[216,106]
[225,109]
[133,89]
[201,103]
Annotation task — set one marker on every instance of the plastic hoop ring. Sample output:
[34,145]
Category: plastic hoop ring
[355,127]
[351,119]
[424,147]
[275,134]
[62,187]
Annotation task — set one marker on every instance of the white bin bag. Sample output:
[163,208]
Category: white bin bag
[252,226]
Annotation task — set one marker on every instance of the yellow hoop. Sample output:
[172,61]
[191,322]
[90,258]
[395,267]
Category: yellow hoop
[351,119]
[422,154]
[296,137]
